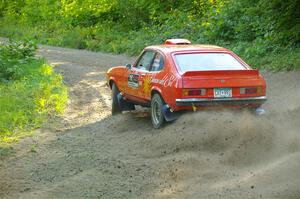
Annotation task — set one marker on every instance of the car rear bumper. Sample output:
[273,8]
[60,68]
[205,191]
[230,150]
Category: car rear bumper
[221,101]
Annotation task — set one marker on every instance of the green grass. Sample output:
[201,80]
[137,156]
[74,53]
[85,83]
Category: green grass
[27,102]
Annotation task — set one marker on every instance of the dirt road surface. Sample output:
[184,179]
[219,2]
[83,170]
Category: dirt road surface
[87,153]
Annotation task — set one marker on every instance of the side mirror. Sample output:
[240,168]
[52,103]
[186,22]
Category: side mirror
[128,66]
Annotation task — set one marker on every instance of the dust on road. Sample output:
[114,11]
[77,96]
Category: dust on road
[87,153]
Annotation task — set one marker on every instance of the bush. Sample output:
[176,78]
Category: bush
[13,56]
[30,91]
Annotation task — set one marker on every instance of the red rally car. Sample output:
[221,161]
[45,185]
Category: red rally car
[181,76]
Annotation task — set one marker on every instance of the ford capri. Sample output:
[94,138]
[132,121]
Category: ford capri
[179,75]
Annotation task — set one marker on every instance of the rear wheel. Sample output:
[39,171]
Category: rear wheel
[157,115]
[115,106]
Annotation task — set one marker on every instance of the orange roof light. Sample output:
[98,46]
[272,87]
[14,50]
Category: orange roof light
[177,42]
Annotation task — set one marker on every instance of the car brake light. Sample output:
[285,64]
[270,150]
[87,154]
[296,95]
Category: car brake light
[252,90]
[194,92]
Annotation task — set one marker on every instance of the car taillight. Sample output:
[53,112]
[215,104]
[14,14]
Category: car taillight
[251,90]
[194,92]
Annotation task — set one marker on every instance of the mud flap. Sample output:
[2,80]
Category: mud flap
[169,116]
[125,106]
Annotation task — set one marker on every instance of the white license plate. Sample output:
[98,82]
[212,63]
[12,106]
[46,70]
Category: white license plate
[222,92]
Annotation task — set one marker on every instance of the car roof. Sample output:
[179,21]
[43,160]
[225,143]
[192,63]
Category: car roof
[167,48]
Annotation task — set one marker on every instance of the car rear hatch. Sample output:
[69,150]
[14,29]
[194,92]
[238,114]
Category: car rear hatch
[222,84]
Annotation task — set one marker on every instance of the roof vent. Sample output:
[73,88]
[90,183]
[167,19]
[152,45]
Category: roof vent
[177,42]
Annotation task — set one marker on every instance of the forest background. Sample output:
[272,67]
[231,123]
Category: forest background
[265,33]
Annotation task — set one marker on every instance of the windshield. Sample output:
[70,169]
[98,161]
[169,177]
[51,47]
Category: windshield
[207,62]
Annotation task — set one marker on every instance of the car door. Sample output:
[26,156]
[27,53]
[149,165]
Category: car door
[153,73]
[136,76]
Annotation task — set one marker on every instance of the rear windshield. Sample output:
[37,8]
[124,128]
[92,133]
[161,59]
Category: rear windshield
[207,61]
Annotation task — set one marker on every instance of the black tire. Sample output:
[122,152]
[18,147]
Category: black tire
[157,116]
[115,106]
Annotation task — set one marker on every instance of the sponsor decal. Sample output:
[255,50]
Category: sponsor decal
[133,80]
[166,81]
[146,86]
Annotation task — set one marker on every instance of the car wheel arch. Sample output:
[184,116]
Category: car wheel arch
[156,91]
[111,82]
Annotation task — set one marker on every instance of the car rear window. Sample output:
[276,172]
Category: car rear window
[207,62]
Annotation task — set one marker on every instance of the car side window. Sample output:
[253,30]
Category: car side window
[158,62]
[146,60]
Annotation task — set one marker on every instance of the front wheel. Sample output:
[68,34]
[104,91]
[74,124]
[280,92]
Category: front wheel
[157,115]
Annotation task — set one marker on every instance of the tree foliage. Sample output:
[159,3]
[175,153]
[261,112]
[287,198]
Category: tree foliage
[253,28]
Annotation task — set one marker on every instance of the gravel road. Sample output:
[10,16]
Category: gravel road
[87,153]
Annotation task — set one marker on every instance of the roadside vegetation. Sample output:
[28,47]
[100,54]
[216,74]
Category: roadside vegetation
[266,33]
[30,91]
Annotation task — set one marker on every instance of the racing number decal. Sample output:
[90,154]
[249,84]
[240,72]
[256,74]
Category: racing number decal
[133,80]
